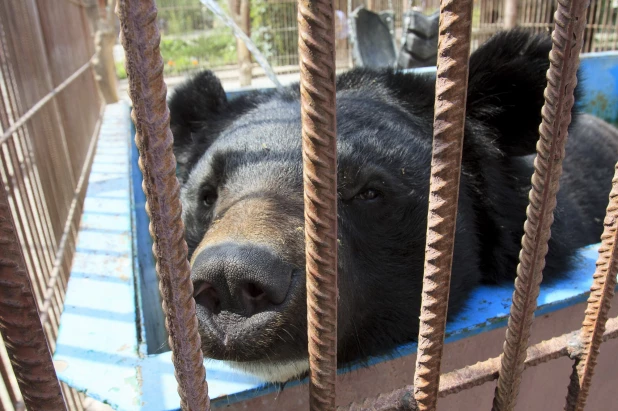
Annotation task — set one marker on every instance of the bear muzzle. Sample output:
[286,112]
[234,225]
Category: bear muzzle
[244,293]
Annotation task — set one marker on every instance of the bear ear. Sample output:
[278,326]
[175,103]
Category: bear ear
[505,88]
[194,105]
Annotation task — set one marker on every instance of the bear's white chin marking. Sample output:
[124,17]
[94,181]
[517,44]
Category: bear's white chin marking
[272,371]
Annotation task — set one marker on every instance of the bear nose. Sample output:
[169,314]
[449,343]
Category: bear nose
[243,279]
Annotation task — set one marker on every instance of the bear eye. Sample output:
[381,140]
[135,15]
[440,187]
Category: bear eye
[209,198]
[368,195]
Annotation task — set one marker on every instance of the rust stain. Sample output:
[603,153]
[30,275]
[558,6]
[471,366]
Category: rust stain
[123,348]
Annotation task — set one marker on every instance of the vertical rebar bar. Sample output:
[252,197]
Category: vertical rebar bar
[140,38]
[448,134]
[599,302]
[316,45]
[567,40]
[21,328]
[573,389]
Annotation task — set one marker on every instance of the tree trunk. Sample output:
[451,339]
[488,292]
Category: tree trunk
[240,10]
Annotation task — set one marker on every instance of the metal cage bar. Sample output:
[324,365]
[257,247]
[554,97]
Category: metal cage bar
[449,120]
[567,40]
[140,39]
[484,371]
[599,302]
[20,324]
[316,45]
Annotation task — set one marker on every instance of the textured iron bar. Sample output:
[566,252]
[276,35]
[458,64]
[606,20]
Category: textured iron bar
[448,134]
[485,371]
[11,173]
[21,328]
[316,46]
[140,39]
[599,302]
[570,18]
[573,389]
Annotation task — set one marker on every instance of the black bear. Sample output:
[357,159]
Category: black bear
[239,162]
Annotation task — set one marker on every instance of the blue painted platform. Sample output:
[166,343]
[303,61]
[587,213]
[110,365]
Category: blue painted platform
[101,348]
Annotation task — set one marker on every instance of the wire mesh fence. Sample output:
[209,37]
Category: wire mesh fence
[49,116]
[193,39]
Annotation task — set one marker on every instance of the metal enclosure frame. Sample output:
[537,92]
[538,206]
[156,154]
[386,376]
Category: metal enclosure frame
[140,37]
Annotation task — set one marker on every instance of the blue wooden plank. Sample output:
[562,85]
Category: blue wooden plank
[97,346]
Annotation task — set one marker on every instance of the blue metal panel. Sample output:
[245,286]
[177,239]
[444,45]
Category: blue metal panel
[101,345]
[599,74]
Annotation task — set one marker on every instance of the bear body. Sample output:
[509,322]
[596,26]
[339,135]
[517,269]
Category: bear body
[240,165]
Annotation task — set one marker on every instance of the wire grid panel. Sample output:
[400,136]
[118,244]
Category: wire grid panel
[49,121]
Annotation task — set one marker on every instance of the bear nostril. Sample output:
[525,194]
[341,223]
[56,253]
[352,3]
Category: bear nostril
[243,280]
[254,299]
[206,296]
[254,290]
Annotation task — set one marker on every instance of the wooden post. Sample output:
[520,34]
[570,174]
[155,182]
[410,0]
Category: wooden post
[240,11]
[104,65]
[510,14]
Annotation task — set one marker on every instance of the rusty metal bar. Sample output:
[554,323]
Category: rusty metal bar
[449,120]
[316,45]
[21,328]
[567,40]
[573,389]
[140,38]
[599,302]
[569,344]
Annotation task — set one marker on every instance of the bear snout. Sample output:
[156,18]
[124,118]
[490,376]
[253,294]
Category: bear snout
[243,279]
[244,293]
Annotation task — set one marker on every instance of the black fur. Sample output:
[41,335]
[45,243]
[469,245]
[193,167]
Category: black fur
[250,147]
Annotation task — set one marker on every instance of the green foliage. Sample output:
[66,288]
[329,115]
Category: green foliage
[216,48]
[260,34]
[121,71]
[193,38]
